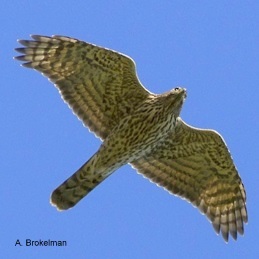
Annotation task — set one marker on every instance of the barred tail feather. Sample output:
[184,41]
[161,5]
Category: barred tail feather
[76,187]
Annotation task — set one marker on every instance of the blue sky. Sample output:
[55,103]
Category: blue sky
[209,47]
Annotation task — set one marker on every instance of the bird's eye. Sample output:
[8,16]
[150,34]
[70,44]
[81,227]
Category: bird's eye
[177,88]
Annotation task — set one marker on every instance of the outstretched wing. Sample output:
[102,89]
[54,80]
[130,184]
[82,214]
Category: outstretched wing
[196,165]
[100,85]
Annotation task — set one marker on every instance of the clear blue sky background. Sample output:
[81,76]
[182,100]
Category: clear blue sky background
[209,47]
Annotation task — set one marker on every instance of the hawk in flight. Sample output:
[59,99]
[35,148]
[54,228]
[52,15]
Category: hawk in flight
[140,128]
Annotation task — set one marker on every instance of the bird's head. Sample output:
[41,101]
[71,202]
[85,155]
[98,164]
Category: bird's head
[173,100]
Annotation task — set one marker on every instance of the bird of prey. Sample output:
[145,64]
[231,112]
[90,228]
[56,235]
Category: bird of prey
[137,127]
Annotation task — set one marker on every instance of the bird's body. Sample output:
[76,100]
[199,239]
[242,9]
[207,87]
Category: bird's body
[130,140]
[140,128]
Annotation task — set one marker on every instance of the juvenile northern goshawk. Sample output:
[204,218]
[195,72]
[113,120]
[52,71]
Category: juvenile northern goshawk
[139,128]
